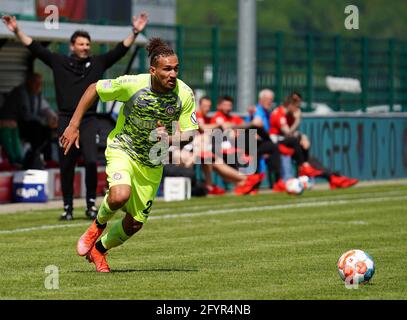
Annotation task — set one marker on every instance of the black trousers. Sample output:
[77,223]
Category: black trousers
[270,149]
[89,151]
[299,156]
[267,147]
[326,173]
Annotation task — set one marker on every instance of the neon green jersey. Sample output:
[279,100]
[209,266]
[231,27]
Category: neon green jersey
[140,111]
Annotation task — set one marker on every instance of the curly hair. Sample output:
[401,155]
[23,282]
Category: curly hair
[156,48]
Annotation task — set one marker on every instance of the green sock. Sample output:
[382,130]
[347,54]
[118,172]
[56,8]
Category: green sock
[105,213]
[115,236]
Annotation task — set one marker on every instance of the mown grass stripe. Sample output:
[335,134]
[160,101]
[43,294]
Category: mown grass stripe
[223,211]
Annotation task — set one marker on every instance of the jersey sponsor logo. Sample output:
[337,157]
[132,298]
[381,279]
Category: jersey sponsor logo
[122,80]
[193,118]
[146,124]
[117,176]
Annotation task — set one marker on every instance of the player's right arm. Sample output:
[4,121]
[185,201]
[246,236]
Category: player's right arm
[35,47]
[71,133]
[108,90]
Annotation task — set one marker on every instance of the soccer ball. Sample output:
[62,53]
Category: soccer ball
[356,267]
[307,182]
[294,186]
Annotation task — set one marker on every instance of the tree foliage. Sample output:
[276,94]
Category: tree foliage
[377,18]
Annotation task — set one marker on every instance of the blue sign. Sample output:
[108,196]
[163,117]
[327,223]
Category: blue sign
[29,192]
[363,147]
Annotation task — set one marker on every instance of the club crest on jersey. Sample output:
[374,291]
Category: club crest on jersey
[193,118]
[170,110]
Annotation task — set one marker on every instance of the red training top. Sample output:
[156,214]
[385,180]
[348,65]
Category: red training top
[220,118]
[278,119]
[202,119]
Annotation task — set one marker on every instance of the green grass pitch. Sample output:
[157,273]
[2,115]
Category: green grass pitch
[268,246]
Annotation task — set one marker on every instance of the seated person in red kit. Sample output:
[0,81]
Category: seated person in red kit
[284,124]
[265,147]
[202,147]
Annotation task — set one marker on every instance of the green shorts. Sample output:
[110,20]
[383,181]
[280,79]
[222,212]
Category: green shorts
[143,180]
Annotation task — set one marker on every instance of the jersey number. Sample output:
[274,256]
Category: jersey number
[148,209]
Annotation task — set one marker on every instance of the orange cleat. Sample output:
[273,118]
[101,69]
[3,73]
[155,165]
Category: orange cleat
[215,190]
[99,259]
[252,182]
[349,182]
[341,182]
[307,170]
[88,239]
[279,186]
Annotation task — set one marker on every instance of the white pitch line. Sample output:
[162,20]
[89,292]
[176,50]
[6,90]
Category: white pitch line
[187,205]
[45,227]
[349,197]
[276,207]
[222,211]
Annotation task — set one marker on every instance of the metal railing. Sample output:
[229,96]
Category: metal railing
[285,62]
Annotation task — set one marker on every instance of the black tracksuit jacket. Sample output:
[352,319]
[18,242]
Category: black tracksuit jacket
[72,75]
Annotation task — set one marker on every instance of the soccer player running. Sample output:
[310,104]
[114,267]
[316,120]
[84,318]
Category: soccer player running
[72,75]
[151,102]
